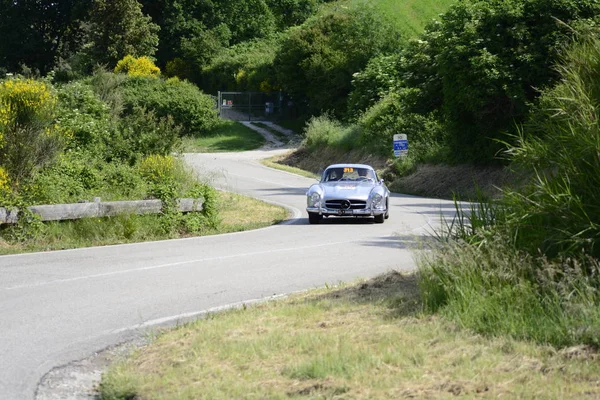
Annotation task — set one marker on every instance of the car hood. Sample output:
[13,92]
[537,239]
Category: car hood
[345,189]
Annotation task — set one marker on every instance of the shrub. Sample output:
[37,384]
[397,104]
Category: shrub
[73,177]
[79,175]
[325,131]
[140,134]
[380,77]
[292,12]
[527,265]
[141,66]
[4,180]
[87,118]
[193,110]
[29,138]
[392,115]
[157,168]
[244,66]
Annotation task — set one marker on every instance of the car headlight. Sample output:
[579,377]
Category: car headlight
[314,199]
[376,200]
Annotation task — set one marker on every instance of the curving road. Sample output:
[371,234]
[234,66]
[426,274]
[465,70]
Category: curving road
[58,307]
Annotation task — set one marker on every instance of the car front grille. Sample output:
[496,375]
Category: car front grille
[344,204]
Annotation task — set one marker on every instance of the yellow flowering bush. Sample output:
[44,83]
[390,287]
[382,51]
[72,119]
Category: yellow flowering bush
[158,169]
[21,100]
[142,66]
[29,136]
[4,180]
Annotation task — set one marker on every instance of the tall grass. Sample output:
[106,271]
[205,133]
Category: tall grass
[561,211]
[325,131]
[527,266]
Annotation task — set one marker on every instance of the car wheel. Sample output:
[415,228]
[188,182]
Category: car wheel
[387,210]
[314,218]
[379,219]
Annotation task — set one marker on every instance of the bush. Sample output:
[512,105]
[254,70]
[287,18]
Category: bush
[390,116]
[79,175]
[193,110]
[141,66]
[157,168]
[4,180]
[29,138]
[85,117]
[380,77]
[326,131]
[244,66]
[140,134]
[292,12]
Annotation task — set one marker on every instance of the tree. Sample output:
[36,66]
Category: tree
[118,28]
[36,32]
[316,62]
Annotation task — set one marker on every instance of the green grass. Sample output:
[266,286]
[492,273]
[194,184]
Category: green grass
[229,136]
[411,16]
[272,163]
[360,341]
[236,213]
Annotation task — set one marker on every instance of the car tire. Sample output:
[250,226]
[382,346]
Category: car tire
[379,219]
[314,218]
[387,210]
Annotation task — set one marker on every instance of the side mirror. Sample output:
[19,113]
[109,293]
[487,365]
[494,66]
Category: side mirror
[381,181]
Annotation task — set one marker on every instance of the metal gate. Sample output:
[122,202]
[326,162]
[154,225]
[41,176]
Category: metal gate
[252,106]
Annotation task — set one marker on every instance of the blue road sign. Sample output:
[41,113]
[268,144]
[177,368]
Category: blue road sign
[400,145]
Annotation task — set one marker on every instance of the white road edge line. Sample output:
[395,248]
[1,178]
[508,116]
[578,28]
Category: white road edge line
[176,264]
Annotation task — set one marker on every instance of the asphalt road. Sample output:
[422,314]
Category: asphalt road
[62,306]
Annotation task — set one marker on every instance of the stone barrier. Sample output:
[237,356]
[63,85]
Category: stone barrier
[96,209]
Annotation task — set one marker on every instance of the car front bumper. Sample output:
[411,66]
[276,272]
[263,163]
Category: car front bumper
[363,212]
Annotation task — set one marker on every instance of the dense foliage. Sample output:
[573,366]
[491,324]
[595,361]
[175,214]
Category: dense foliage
[484,62]
[193,110]
[65,144]
[118,28]
[527,265]
[316,61]
[36,33]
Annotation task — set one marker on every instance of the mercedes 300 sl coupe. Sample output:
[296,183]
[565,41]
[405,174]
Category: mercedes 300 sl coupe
[348,190]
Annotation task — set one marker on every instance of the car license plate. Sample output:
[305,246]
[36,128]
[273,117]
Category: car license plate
[345,212]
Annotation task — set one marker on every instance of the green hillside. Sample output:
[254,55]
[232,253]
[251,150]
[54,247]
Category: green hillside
[410,16]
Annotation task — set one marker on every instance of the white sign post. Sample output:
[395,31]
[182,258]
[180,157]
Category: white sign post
[400,145]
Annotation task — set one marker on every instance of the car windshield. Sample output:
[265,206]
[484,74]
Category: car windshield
[349,174]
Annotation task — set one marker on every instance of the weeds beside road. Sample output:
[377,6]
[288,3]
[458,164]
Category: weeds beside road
[361,341]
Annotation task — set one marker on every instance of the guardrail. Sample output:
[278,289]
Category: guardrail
[96,209]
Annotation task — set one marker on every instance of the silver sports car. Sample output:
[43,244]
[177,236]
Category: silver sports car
[348,190]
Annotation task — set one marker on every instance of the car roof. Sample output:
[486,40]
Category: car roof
[350,166]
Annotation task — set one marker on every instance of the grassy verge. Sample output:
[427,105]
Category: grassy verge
[236,213]
[274,162]
[228,136]
[362,341]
